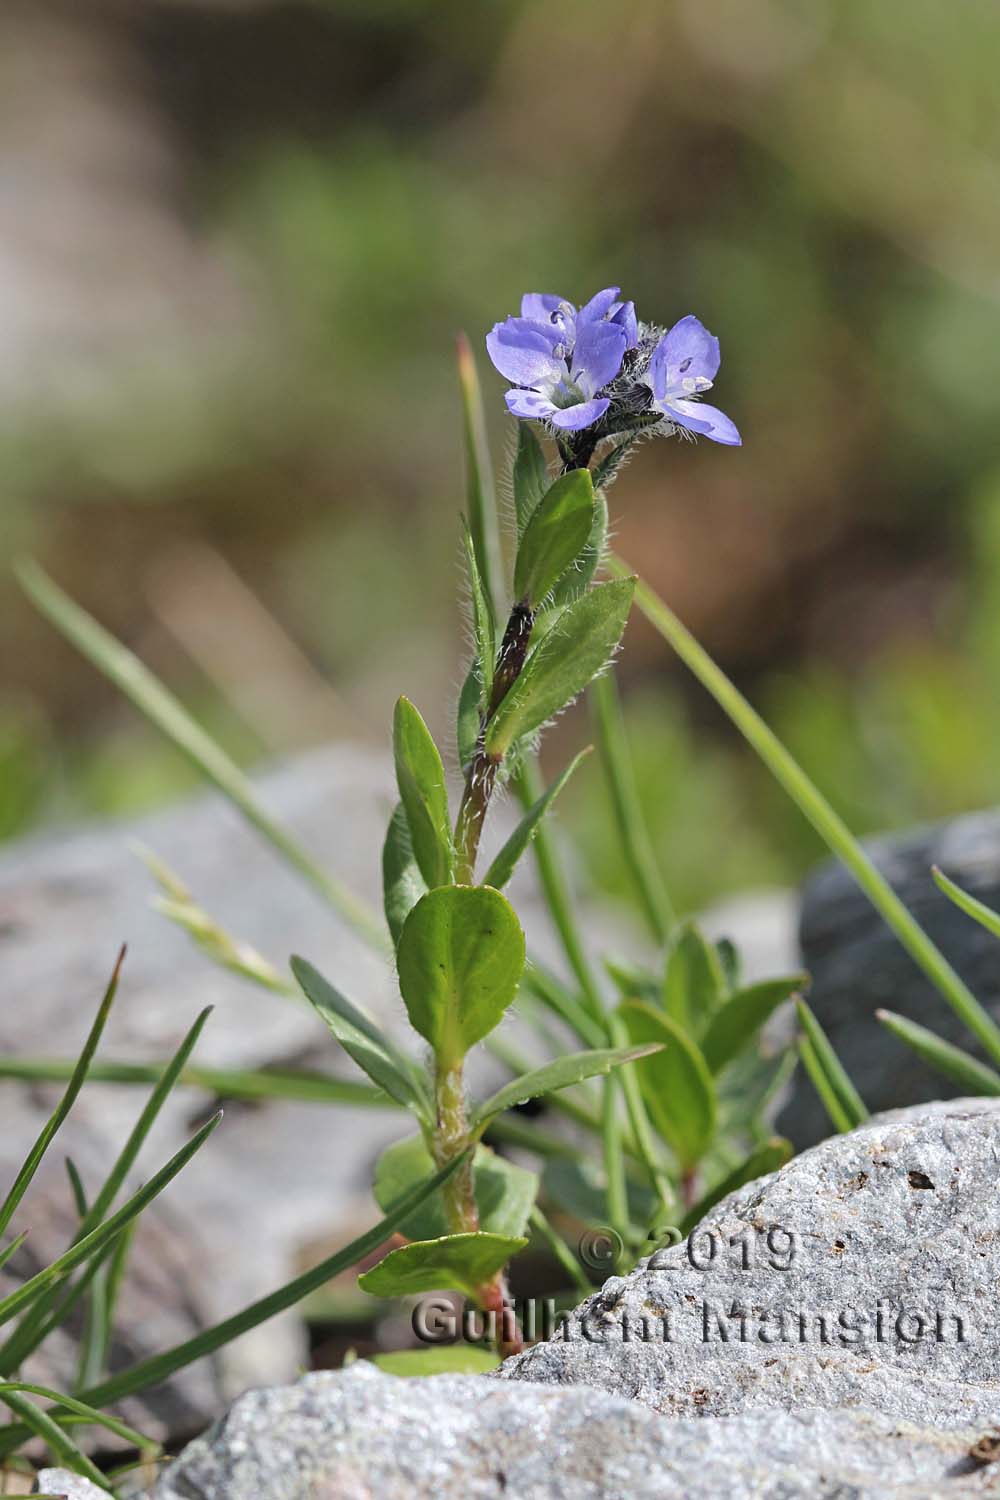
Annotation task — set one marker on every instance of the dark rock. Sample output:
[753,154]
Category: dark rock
[858,965]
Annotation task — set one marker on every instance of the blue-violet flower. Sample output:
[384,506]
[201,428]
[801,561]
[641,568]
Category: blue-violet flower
[559,357]
[683,365]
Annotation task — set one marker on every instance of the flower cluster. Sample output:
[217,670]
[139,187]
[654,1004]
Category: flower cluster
[598,368]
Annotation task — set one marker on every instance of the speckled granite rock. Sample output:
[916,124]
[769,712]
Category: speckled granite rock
[360,1435]
[839,1340]
[72,1486]
[857,965]
[863,1273]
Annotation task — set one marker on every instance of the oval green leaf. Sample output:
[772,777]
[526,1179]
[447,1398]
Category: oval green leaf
[531,475]
[456,1262]
[402,883]
[563,662]
[420,777]
[460,959]
[505,1193]
[695,982]
[556,534]
[562,1073]
[675,1083]
[445,1359]
[362,1040]
[738,1021]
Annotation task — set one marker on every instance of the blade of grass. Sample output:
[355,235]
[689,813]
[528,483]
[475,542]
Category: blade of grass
[169,715]
[154,1371]
[814,806]
[87,1414]
[817,1077]
[83,1249]
[30,1332]
[12,1248]
[482,508]
[221,1082]
[562,1002]
[137,1136]
[641,1126]
[619,775]
[76,1188]
[615,1191]
[848,1097]
[528,785]
[59,1442]
[49,1312]
[62,1109]
[967,1071]
[562,1252]
[974,908]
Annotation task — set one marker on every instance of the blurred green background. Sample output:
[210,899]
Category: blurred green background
[237,242]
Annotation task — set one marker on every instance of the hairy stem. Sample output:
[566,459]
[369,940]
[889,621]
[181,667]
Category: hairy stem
[451,1137]
[482,773]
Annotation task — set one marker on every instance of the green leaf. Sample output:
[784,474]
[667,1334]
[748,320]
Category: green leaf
[694,983]
[504,864]
[504,1192]
[460,959]
[469,717]
[676,1084]
[160,706]
[576,582]
[62,1109]
[531,475]
[977,910]
[767,1157]
[481,499]
[402,883]
[562,1073]
[971,1075]
[456,1262]
[850,1101]
[633,982]
[420,777]
[361,1039]
[742,1016]
[484,632]
[554,537]
[562,664]
[445,1359]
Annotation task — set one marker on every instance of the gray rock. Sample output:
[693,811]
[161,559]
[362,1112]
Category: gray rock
[360,1435]
[863,1273]
[838,1341]
[858,965]
[64,1482]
